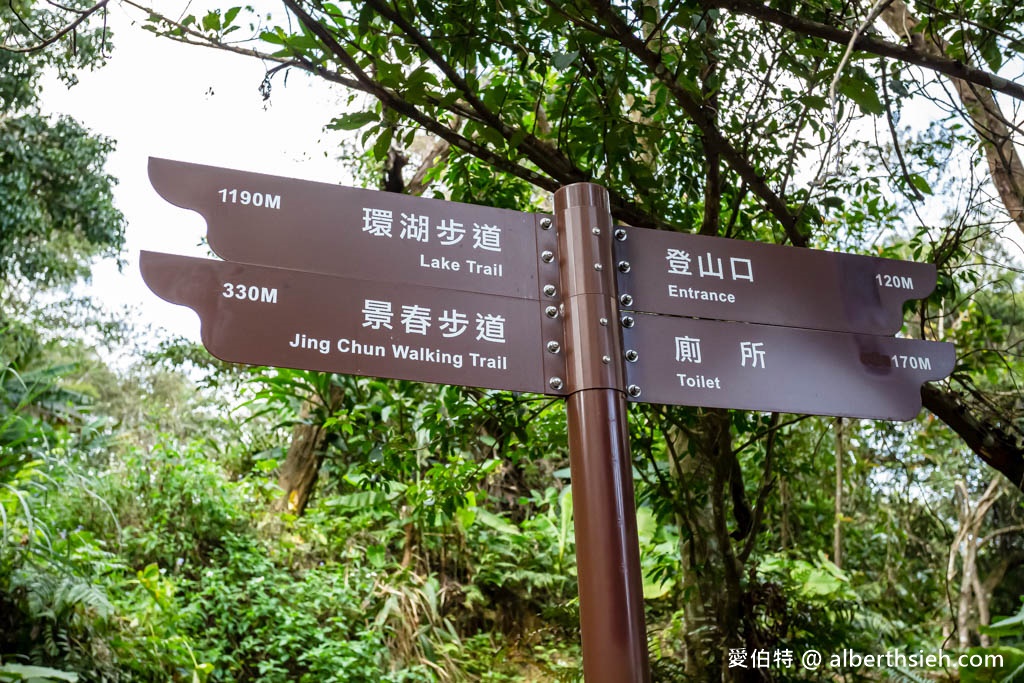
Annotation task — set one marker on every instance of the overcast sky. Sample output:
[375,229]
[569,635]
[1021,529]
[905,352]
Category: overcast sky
[159,98]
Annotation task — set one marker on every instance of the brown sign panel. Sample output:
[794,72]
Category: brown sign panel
[715,364]
[724,279]
[288,318]
[362,234]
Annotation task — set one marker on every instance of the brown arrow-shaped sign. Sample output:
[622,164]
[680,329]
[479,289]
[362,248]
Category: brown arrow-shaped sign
[287,318]
[317,227]
[685,361]
[722,279]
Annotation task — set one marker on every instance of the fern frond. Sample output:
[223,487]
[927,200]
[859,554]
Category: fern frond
[903,675]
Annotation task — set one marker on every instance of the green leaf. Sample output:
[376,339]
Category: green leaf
[654,589]
[815,102]
[920,183]
[230,15]
[354,120]
[465,517]
[30,673]
[211,22]
[360,500]
[275,37]
[862,91]
[562,60]
[495,522]
[646,525]
[1011,626]
[383,144]
[376,555]
[265,466]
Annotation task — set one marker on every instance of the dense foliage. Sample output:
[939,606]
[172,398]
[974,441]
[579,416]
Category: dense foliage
[57,200]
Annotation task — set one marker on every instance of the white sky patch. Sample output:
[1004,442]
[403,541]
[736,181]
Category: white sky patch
[156,97]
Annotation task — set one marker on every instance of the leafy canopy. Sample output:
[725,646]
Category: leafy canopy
[56,202]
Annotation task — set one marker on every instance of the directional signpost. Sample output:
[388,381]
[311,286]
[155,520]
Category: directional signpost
[289,318]
[711,277]
[362,234]
[685,361]
[821,352]
[337,279]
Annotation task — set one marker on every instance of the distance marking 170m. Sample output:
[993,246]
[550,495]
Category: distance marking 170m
[716,364]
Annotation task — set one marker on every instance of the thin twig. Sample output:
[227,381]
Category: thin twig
[46,42]
[895,137]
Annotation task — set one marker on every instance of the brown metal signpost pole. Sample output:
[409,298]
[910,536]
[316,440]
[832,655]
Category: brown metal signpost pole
[607,550]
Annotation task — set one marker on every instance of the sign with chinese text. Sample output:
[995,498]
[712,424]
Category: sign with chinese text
[324,277]
[362,234]
[725,279]
[715,364]
[287,318]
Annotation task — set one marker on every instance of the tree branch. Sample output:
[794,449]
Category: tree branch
[546,156]
[897,147]
[910,54]
[392,100]
[984,114]
[83,15]
[560,173]
[994,447]
[618,30]
[767,484]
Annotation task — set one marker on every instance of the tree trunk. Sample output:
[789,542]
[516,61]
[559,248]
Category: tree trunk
[984,616]
[708,475]
[305,454]
[301,465]
[981,109]
[695,530]
[784,502]
[968,572]
[971,595]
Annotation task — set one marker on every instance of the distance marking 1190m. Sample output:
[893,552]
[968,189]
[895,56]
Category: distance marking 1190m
[248,198]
